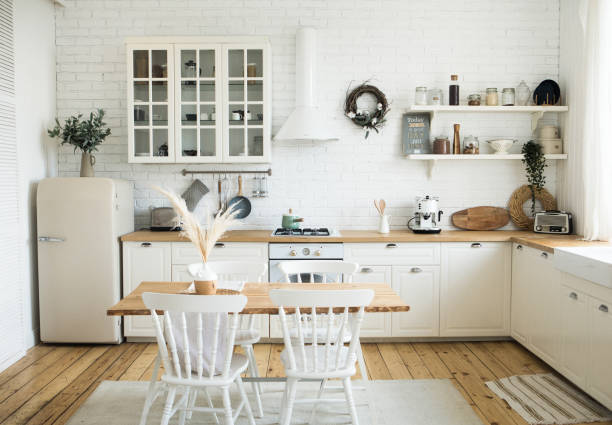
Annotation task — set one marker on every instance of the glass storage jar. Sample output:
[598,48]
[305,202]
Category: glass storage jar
[420,96]
[474,100]
[435,97]
[508,97]
[471,145]
[492,98]
[522,93]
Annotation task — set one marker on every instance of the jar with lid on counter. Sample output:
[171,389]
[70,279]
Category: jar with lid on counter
[420,96]
[508,97]
[492,97]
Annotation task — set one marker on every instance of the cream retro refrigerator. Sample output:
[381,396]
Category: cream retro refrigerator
[79,223]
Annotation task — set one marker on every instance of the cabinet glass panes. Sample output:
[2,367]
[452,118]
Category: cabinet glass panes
[245,105]
[150,102]
[197,131]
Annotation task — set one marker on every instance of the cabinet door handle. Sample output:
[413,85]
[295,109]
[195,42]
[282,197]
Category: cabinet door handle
[391,245]
[573,295]
[146,244]
[476,245]
[603,308]
[219,245]
[416,270]
[366,270]
[544,255]
[49,239]
[519,247]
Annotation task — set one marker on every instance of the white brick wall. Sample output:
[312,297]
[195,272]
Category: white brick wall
[398,44]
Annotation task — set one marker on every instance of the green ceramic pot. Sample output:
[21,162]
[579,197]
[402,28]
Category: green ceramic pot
[291,221]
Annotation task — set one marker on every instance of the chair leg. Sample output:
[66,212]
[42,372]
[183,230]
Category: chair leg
[192,402]
[227,406]
[319,394]
[248,349]
[151,392]
[290,399]
[247,405]
[168,406]
[361,361]
[210,404]
[348,393]
[183,412]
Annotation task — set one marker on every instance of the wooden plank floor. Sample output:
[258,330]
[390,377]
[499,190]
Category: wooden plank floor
[49,384]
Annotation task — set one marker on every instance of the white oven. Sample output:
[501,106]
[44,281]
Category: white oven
[279,252]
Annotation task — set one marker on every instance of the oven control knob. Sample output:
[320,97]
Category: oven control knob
[317,253]
[293,253]
[306,251]
[539,228]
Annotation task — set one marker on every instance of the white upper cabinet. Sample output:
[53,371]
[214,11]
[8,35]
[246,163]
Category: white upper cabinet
[203,100]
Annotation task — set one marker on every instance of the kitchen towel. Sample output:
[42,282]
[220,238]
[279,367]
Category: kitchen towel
[194,194]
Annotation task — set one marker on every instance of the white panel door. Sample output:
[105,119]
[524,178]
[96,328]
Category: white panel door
[475,289]
[574,335]
[599,377]
[375,324]
[544,281]
[520,300]
[144,261]
[180,274]
[419,287]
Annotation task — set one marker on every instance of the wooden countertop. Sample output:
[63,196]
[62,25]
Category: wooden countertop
[534,240]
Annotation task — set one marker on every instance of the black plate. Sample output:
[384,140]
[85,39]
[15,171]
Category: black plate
[547,93]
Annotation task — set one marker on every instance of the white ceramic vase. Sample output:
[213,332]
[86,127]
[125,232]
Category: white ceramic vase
[383,224]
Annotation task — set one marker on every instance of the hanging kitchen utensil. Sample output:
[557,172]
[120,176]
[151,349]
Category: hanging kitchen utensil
[194,194]
[240,203]
[219,188]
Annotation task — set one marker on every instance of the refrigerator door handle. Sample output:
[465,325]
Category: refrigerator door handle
[49,239]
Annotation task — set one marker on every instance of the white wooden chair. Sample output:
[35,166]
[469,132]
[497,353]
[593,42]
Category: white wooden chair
[325,272]
[323,359]
[224,366]
[246,335]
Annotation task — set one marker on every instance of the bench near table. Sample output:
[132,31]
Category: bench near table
[259,302]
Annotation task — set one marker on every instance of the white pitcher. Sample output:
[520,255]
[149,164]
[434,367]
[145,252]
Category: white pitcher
[383,224]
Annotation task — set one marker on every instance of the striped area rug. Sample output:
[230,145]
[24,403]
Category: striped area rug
[546,399]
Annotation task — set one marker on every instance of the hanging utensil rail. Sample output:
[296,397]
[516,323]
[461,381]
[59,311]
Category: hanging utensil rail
[268,172]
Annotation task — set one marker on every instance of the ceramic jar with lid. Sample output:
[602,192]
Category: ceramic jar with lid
[492,97]
[441,146]
[522,93]
[508,96]
[420,96]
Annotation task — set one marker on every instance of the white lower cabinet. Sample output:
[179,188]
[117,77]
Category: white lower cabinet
[375,324]
[419,287]
[143,261]
[599,372]
[574,339]
[475,289]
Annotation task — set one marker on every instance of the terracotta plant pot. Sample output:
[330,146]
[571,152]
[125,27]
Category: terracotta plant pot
[205,287]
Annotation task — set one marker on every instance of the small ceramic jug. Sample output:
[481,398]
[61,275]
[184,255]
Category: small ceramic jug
[383,224]
[204,279]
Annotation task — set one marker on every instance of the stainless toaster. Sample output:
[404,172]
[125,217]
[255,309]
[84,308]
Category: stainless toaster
[164,219]
[553,222]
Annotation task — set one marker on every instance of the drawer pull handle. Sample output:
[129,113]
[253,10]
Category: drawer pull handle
[573,295]
[146,244]
[416,270]
[603,308]
[391,245]
[544,255]
[219,245]
[49,239]
[519,247]
[476,245]
[366,270]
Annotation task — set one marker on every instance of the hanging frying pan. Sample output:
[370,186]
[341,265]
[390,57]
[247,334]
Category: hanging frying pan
[240,203]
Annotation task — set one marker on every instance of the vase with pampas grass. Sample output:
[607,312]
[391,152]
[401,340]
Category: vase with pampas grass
[204,239]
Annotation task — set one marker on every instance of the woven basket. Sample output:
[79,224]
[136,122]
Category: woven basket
[522,195]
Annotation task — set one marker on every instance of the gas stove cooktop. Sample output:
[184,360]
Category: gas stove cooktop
[305,232]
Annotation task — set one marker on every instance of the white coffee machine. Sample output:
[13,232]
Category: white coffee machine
[427,215]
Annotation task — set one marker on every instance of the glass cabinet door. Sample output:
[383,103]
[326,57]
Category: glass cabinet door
[245,102]
[151,102]
[198,134]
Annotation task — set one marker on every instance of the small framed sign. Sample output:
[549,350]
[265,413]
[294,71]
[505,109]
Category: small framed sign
[415,133]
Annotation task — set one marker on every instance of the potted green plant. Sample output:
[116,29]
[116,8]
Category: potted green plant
[83,134]
[535,162]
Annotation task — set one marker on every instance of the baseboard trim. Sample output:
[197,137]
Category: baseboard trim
[8,362]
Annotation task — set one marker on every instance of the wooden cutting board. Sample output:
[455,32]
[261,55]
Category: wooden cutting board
[481,218]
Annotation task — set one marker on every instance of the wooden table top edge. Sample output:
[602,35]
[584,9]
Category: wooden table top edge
[132,304]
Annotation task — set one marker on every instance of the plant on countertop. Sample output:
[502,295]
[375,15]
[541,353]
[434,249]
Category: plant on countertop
[535,162]
[85,135]
[364,118]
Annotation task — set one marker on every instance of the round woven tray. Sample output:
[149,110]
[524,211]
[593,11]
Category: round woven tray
[522,195]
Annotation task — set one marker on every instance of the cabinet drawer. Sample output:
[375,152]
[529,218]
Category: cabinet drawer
[393,253]
[186,253]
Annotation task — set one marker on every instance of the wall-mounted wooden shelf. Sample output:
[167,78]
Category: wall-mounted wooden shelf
[433,158]
[537,112]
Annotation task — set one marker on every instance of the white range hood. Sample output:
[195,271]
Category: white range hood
[306,122]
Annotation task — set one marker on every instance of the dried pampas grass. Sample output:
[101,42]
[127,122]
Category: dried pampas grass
[203,239]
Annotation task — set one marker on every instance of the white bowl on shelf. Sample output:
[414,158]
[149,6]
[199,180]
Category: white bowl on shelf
[501,146]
